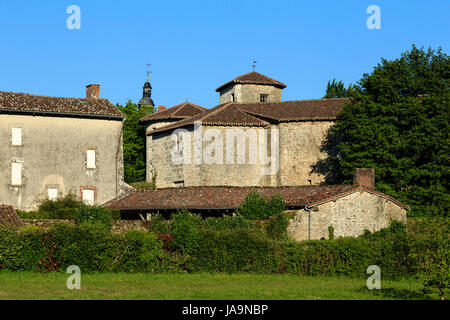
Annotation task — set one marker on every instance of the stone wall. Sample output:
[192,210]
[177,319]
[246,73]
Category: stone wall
[150,154]
[250,93]
[213,169]
[299,150]
[349,215]
[118,226]
[53,156]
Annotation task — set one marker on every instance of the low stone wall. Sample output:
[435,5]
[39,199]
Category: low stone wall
[118,226]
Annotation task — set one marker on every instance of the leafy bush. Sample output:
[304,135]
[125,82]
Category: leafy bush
[159,224]
[141,252]
[227,223]
[185,231]
[257,207]
[61,208]
[433,252]
[85,213]
[231,251]
[21,250]
[143,185]
[276,227]
[32,214]
[331,232]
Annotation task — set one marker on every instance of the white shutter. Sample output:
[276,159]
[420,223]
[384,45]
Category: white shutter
[16,174]
[88,197]
[52,194]
[91,159]
[16,136]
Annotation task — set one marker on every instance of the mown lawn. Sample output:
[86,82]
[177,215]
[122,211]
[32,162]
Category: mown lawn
[29,285]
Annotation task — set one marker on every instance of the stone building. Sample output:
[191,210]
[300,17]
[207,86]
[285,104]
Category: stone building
[208,161]
[349,209]
[251,139]
[52,146]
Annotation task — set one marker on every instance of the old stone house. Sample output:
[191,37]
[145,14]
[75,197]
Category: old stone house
[207,161]
[263,141]
[51,146]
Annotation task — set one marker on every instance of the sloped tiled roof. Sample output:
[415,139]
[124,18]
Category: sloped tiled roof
[9,217]
[253,78]
[256,114]
[181,111]
[12,102]
[315,109]
[227,114]
[231,197]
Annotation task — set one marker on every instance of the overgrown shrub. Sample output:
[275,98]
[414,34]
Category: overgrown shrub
[32,214]
[141,253]
[159,224]
[432,248]
[331,233]
[276,227]
[257,207]
[61,208]
[227,223]
[85,213]
[185,229]
[232,251]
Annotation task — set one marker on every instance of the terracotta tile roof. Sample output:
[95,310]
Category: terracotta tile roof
[12,102]
[231,197]
[9,217]
[252,114]
[228,114]
[315,109]
[253,78]
[181,111]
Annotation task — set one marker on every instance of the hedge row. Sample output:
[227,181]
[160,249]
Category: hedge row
[94,248]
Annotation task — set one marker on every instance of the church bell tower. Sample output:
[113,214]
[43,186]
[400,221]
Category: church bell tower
[147,92]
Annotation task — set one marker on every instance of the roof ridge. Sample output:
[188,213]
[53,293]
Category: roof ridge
[219,108]
[51,97]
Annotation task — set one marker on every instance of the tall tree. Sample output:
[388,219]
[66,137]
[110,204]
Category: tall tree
[337,90]
[134,141]
[398,123]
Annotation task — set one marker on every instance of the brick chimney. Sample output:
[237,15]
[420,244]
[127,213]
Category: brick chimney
[364,177]
[93,91]
[161,108]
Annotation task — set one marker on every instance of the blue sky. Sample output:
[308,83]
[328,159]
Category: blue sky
[195,46]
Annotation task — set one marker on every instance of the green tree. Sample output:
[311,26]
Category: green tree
[134,141]
[338,90]
[398,124]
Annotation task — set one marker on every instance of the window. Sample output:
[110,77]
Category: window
[263,97]
[52,194]
[232,98]
[16,136]
[16,173]
[90,164]
[88,196]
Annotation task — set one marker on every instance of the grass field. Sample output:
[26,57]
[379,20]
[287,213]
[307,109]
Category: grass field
[28,285]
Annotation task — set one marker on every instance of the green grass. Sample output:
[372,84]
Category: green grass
[29,285]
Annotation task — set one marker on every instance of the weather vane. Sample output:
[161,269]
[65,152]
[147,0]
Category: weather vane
[148,70]
[254,64]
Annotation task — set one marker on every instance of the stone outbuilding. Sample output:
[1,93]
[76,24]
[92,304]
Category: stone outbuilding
[349,209]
